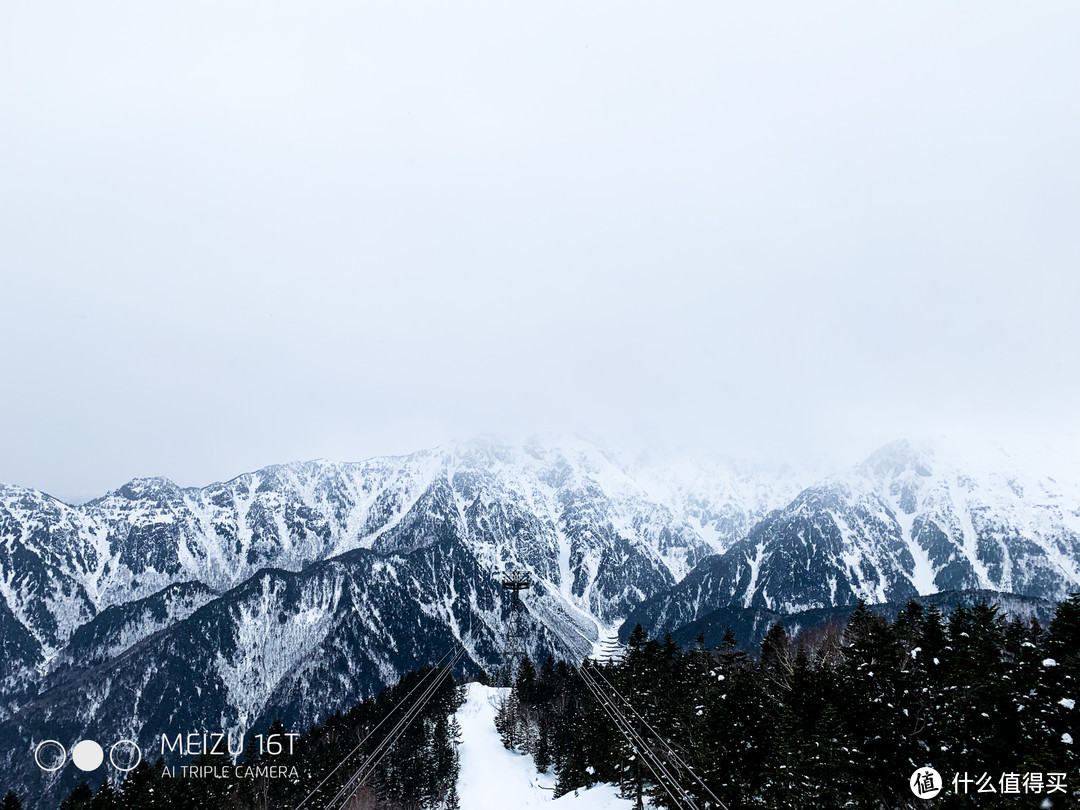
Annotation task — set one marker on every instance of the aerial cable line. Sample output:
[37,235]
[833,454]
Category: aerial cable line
[367,736]
[356,781]
[620,724]
[642,743]
[392,736]
[364,771]
[633,745]
[679,762]
[671,751]
[386,717]
[640,747]
[637,744]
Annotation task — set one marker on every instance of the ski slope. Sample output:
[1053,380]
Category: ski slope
[492,778]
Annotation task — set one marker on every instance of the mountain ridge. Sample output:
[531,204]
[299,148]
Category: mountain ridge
[290,589]
[905,522]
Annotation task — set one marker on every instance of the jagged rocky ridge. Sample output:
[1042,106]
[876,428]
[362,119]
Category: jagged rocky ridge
[909,520]
[296,589]
[570,514]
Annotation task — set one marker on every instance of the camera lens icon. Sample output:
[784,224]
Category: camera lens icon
[50,755]
[130,755]
[87,755]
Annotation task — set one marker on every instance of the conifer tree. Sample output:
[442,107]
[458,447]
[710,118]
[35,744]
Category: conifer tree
[740,722]
[105,798]
[821,723]
[526,681]
[908,625]
[932,640]
[777,658]
[808,758]
[452,800]
[11,801]
[205,793]
[1059,689]
[140,789]
[79,799]
[507,721]
[728,642]
[869,678]
[1024,729]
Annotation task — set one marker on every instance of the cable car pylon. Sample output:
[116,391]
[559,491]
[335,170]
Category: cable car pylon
[515,581]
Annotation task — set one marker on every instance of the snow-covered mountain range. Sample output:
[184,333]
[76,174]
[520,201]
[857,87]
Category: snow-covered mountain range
[294,590]
[911,519]
[577,519]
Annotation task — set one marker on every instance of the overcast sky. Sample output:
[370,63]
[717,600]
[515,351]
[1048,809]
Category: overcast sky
[234,234]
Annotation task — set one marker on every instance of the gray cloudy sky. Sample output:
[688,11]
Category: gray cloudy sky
[238,233]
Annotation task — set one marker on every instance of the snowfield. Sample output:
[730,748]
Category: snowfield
[493,778]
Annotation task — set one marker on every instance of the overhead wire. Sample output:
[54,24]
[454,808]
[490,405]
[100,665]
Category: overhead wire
[382,750]
[379,752]
[433,671]
[357,780]
[671,750]
[376,728]
[611,708]
[679,762]
[637,743]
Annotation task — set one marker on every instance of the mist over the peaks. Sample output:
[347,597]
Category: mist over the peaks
[236,234]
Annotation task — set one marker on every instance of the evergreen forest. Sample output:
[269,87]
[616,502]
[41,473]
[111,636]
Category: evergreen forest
[835,718]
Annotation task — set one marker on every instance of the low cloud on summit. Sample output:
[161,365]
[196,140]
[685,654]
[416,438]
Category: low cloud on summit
[235,234]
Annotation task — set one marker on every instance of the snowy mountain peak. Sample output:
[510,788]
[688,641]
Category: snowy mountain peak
[912,519]
[898,458]
[156,489]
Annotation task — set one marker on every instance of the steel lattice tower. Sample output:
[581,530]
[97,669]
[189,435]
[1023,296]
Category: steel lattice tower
[514,650]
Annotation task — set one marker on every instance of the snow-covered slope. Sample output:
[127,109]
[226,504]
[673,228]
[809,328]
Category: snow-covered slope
[913,518]
[577,519]
[722,499]
[492,778]
[295,590]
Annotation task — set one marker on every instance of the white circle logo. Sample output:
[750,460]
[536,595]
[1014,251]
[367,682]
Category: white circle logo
[926,783]
[87,755]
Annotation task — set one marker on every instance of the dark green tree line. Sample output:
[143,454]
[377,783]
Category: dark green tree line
[830,719]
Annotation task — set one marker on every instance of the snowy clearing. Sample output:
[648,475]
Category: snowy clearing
[493,778]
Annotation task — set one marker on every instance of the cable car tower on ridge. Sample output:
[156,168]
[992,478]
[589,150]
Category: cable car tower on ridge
[515,581]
